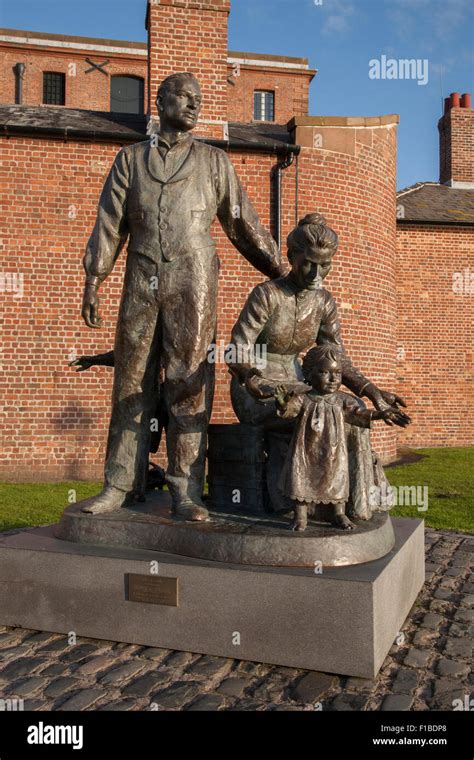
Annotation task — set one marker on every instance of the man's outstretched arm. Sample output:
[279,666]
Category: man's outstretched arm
[241,223]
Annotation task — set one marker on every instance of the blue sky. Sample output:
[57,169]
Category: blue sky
[339,37]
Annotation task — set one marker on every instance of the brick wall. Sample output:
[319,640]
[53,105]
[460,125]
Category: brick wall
[435,291]
[54,422]
[456,133]
[90,91]
[189,35]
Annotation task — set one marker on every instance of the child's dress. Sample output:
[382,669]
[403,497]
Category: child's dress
[317,468]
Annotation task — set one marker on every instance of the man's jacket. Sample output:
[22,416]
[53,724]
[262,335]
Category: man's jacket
[166,206]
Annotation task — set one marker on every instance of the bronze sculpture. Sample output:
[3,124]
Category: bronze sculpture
[316,469]
[288,315]
[164,194]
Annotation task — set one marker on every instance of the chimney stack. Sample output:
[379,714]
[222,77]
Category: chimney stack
[456,142]
[191,35]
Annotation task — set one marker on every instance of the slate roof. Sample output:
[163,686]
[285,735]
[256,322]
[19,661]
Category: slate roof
[101,125]
[430,202]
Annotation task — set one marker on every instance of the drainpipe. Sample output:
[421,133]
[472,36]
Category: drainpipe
[278,170]
[19,69]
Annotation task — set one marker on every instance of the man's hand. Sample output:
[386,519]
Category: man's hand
[90,306]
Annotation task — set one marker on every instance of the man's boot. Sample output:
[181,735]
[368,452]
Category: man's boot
[109,499]
[187,501]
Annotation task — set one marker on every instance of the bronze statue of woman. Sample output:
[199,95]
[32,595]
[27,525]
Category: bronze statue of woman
[282,319]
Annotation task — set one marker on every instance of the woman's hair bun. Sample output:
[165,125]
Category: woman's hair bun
[315,218]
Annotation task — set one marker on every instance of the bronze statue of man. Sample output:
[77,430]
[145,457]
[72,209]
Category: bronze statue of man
[164,194]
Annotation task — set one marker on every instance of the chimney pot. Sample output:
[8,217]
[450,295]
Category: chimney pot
[466,100]
[455,97]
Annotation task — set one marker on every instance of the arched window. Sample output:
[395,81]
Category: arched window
[126,94]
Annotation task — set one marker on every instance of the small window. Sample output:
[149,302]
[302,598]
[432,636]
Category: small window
[127,94]
[263,105]
[54,88]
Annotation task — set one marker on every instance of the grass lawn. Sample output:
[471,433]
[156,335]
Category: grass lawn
[25,505]
[448,473]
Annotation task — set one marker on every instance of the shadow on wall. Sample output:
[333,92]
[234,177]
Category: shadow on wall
[74,424]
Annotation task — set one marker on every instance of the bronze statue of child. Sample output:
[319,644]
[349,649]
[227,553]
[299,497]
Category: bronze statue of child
[316,469]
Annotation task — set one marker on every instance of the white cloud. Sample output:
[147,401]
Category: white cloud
[339,13]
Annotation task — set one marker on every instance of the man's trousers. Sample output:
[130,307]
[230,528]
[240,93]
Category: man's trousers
[167,321]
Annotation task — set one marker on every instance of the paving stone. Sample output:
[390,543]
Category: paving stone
[312,686]
[432,567]
[78,653]
[425,637]
[457,647]
[142,686]
[432,620]
[444,593]
[465,616]
[208,702]
[454,571]
[467,601]
[468,587]
[463,630]
[233,687]
[360,684]
[61,686]
[83,700]
[349,702]
[7,639]
[95,665]
[122,673]
[208,666]
[406,681]
[178,660]
[417,658]
[393,702]
[287,708]
[452,668]
[41,638]
[22,667]
[27,686]
[443,686]
[463,559]
[55,669]
[177,695]
[56,646]
[15,653]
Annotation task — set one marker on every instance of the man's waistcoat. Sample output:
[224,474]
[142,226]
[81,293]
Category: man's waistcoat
[171,217]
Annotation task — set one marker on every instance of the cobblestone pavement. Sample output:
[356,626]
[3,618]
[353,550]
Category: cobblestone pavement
[427,668]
